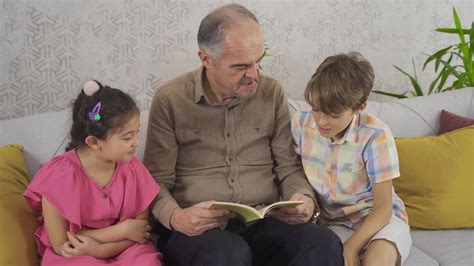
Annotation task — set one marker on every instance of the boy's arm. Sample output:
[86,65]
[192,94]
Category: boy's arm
[130,229]
[376,220]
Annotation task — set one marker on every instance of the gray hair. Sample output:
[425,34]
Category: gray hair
[213,27]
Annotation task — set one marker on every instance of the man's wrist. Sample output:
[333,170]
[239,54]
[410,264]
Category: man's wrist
[173,219]
[316,214]
[316,210]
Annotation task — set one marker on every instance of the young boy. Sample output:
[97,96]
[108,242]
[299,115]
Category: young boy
[350,159]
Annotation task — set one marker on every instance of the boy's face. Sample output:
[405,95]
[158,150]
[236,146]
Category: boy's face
[334,126]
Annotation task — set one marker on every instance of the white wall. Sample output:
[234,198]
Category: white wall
[49,48]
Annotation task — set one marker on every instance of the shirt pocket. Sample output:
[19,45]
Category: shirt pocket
[352,178]
[255,143]
[197,147]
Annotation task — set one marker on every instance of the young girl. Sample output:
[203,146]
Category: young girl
[350,159]
[94,198]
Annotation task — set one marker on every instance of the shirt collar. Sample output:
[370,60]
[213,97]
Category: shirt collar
[199,90]
[351,132]
[198,87]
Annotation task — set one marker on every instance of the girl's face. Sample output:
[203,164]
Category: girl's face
[121,145]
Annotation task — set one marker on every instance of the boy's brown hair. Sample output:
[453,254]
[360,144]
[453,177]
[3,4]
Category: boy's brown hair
[342,81]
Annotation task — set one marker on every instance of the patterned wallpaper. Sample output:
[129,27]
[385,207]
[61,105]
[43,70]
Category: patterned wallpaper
[49,48]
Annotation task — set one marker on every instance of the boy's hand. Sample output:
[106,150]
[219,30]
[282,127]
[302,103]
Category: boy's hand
[81,245]
[351,255]
[297,215]
[136,230]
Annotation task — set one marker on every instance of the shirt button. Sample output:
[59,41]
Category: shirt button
[327,172]
[232,180]
[105,196]
[228,134]
[230,159]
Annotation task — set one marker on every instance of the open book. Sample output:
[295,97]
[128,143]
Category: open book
[248,214]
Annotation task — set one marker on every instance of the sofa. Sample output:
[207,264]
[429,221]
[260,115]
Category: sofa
[45,135]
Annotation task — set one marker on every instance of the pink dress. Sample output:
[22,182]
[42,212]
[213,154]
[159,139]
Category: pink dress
[87,206]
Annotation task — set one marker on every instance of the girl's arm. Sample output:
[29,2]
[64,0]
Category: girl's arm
[376,220]
[131,229]
[79,245]
[56,226]
[86,242]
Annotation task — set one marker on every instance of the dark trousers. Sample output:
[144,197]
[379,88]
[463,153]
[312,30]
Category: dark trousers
[264,242]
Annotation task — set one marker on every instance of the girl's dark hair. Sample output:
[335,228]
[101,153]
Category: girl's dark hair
[117,108]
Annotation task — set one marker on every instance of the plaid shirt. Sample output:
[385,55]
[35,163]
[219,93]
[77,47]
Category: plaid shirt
[343,172]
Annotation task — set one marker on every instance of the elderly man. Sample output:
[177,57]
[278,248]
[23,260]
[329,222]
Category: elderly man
[222,132]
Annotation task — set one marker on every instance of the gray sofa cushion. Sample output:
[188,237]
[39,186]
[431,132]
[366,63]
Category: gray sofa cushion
[448,247]
[418,258]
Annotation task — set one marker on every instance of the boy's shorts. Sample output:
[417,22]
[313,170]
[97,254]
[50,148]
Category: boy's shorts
[396,232]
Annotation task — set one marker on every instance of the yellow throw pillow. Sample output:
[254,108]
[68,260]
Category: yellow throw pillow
[17,220]
[437,179]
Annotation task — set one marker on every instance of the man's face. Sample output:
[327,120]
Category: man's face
[235,73]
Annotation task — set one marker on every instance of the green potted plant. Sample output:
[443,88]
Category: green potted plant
[455,62]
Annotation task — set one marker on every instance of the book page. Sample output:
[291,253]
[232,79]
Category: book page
[245,213]
[280,204]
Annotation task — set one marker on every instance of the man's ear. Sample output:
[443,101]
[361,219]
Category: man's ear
[206,60]
[92,142]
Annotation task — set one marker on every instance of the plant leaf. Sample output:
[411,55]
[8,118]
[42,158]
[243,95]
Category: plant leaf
[433,83]
[459,28]
[445,74]
[448,65]
[471,38]
[451,30]
[458,84]
[436,55]
[399,96]
[470,76]
[414,82]
[467,57]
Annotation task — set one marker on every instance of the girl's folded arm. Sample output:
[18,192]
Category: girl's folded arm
[56,226]
[121,231]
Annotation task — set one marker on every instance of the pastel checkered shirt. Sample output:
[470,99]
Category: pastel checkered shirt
[343,172]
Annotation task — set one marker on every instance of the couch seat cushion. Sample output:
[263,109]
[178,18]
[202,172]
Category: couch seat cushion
[448,247]
[418,257]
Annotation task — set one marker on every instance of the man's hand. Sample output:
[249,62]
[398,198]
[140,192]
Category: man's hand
[136,230]
[197,219]
[297,215]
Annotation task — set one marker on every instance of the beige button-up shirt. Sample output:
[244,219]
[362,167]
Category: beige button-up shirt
[242,152]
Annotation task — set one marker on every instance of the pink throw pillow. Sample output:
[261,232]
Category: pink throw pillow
[450,122]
